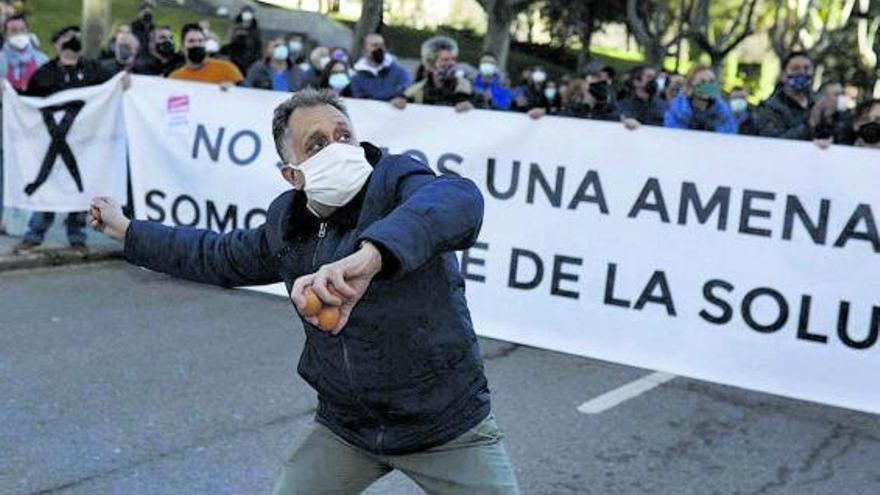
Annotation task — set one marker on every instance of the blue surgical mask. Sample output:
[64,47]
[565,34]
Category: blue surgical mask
[295,46]
[338,81]
[800,83]
[550,93]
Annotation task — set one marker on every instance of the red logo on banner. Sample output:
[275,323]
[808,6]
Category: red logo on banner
[178,104]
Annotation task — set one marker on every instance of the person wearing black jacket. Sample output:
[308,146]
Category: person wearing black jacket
[68,70]
[143,26]
[160,58]
[245,45]
[400,380]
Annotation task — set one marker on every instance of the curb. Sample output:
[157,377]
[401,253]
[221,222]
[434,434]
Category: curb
[55,257]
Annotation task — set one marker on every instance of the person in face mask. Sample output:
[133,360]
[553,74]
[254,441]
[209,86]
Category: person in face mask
[66,71]
[276,72]
[245,45]
[69,69]
[589,98]
[143,25]
[109,51]
[317,61]
[831,117]
[787,114]
[643,103]
[243,48]
[537,97]
[866,124]
[490,85]
[199,67]
[161,58]
[738,102]
[19,60]
[701,107]
[442,85]
[378,76]
[335,78]
[372,236]
[125,49]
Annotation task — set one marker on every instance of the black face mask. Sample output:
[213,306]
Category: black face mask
[196,54]
[73,44]
[378,55]
[599,90]
[165,48]
[147,18]
[870,133]
[652,87]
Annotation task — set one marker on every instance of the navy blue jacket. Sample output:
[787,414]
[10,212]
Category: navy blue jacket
[405,374]
[390,82]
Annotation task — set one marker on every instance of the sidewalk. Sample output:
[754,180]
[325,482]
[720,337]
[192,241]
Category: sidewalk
[55,250]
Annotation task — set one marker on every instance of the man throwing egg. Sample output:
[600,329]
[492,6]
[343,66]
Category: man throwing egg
[364,242]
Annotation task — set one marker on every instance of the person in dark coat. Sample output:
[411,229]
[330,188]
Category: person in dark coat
[143,26]
[590,98]
[538,96]
[377,75]
[794,112]
[160,58]
[66,71]
[642,104]
[245,45]
[400,373]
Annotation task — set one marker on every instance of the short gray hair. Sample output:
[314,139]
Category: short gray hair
[435,45]
[301,99]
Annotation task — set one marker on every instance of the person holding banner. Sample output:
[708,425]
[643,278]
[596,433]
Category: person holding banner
[199,67]
[67,71]
[364,243]
[866,124]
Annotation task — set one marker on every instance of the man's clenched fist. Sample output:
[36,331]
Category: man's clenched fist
[107,218]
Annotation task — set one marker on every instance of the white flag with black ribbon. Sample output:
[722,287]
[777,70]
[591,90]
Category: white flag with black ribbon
[60,151]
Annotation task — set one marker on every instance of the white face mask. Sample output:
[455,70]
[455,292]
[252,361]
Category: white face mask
[20,41]
[539,76]
[335,175]
[247,16]
[487,69]
[739,105]
[323,61]
[281,52]
[212,46]
[842,103]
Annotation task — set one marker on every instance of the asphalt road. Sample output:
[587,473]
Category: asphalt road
[115,380]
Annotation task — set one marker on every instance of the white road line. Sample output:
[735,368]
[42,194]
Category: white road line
[622,394]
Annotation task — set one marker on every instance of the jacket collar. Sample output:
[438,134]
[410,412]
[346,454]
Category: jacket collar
[300,221]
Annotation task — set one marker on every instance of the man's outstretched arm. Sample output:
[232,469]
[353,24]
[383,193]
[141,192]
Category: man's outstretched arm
[241,257]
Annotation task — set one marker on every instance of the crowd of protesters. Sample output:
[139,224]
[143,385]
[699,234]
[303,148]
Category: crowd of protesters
[646,96]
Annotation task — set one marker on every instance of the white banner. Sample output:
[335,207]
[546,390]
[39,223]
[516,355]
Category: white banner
[61,151]
[745,261]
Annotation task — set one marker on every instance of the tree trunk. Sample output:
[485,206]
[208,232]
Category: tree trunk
[586,37]
[497,38]
[655,53]
[370,21]
[96,24]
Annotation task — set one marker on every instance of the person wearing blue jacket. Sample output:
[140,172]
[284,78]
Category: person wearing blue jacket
[489,85]
[701,107]
[400,379]
[378,76]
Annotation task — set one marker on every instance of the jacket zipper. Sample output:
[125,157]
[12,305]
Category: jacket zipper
[322,233]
